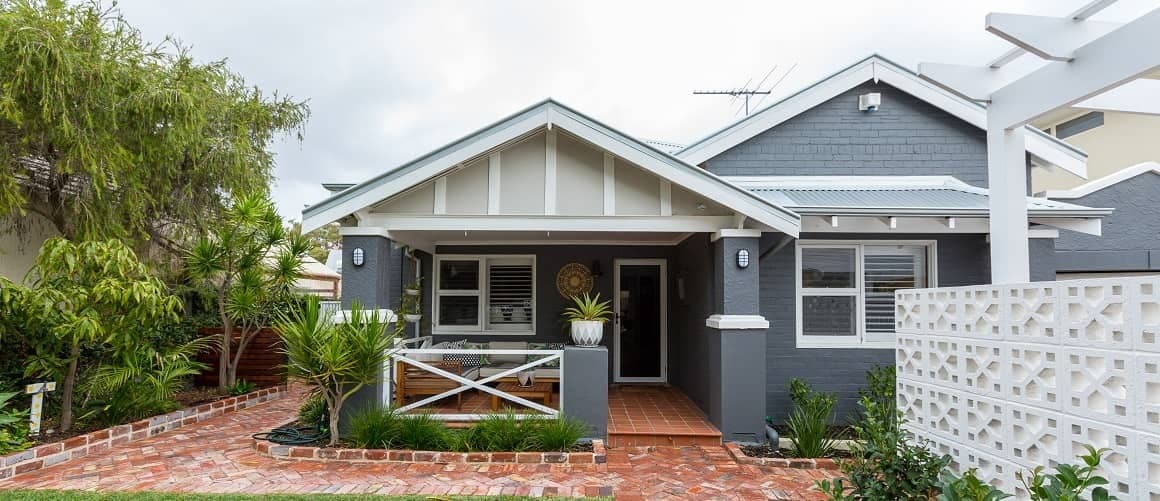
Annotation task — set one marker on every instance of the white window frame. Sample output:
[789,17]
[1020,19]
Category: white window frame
[482,293]
[862,339]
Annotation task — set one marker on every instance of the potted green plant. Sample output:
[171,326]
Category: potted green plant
[587,316]
[413,288]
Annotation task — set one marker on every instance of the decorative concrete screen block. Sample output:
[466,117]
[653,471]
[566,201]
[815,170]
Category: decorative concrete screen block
[1009,377]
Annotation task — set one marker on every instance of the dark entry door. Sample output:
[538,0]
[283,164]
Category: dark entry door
[640,323]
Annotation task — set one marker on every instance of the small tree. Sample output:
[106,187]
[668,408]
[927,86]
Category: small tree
[85,295]
[252,263]
[338,359]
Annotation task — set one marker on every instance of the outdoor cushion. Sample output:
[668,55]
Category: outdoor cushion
[493,369]
[430,357]
[507,345]
[544,346]
[466,359]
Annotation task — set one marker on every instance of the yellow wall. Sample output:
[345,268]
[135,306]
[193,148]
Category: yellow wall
[18,253]
[1124,140]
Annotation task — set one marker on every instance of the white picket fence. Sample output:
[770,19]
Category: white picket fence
[1006,378]
[407,355]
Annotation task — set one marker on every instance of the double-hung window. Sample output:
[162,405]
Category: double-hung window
[846,289]
[485,294]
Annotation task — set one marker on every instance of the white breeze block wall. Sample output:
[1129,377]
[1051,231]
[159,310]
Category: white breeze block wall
[1006,378]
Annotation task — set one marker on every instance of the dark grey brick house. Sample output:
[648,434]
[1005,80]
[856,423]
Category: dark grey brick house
[766,251]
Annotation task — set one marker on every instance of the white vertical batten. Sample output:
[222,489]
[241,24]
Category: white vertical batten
[609,184]
[550,172]
[666,198]
[493,173]
[1007,177]
[440,206]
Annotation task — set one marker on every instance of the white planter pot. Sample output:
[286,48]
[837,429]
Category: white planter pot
[412,317]
[411,292]
[587,333]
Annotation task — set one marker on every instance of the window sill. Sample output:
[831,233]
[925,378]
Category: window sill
[880,345]
[438,332]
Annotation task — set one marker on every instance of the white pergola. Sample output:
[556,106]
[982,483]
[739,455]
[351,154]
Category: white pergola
[1090,64]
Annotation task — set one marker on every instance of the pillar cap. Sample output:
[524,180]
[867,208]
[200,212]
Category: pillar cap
[736,322]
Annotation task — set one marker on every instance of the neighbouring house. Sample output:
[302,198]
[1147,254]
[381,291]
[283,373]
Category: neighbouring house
[769,250]
[318,279]
[1124,173]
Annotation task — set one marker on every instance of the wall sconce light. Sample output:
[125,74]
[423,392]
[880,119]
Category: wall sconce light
[357,256]
[596,268]
[743,258]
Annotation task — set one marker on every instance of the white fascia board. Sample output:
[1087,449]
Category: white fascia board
[1089,226]
[876,224]
[408,240]
[1049,149]
[1109,61]
[695,224]
[425,169]
[851,182]
[684,174]
[1117,177]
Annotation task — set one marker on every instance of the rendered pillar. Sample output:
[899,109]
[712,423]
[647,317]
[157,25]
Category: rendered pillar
[584,388]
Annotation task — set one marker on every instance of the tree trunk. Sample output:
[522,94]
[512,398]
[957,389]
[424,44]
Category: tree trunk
[247,335]
[335,414]
[224,354]
[70,381]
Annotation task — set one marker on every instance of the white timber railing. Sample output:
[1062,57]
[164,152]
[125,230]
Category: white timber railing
[407,355]
[1005,378]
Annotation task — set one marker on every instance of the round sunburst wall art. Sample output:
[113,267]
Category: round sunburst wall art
[574,279]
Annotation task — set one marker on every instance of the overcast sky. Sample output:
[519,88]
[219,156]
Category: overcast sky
[389,81]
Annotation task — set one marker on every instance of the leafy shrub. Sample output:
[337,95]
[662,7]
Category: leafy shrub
[1069,482]
[881,384]
[313,409]
[421,432]
[13,426]
[967,488]
[374,427]
[242,387]
[885,463]
[143,382]
[502,432]
[558,434]
[809,421]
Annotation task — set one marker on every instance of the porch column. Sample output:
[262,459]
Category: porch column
[737,339]
[373,285]
[584,388]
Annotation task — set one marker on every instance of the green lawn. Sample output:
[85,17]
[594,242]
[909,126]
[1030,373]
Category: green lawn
[162,496]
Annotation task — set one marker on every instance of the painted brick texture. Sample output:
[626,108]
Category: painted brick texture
[905,137]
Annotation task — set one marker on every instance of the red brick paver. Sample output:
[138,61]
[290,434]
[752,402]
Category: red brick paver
[215,456]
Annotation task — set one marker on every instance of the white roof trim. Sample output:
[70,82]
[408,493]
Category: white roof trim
[846,182]
[1090,187]
[546,113]
[1045,148]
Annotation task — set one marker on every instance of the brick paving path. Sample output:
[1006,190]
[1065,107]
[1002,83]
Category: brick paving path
[215,456]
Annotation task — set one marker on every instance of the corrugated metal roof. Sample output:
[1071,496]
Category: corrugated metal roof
[936,194]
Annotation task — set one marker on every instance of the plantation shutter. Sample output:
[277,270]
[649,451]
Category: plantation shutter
[510,294]
[887,269]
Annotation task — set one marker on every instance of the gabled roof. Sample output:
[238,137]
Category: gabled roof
[1093,186]
[892,196]
[1044,148]
[548,113]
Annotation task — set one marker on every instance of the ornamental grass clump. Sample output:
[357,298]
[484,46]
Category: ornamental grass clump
[374,427]
[809,421]
[556,435]
[421,432]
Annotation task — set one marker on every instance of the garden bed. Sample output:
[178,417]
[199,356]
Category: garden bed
[45,455]
[596,456]
[771,458]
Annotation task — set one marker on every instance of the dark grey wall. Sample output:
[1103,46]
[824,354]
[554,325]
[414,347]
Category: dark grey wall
[1041,254]
[689,348]
[374,284]
[962,260]
[906,136]
[585,392]
[1131,235]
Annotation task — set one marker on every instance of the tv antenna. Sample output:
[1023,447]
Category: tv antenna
[745,92]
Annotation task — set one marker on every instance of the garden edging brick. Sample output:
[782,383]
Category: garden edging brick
[79,446]
[799,463]
[329,454]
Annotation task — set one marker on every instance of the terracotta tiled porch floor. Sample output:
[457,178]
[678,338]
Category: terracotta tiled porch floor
[656,415]
[215,456]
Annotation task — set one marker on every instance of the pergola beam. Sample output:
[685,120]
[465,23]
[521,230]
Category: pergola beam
[1050,38]
[1088,10]
[1118,57]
